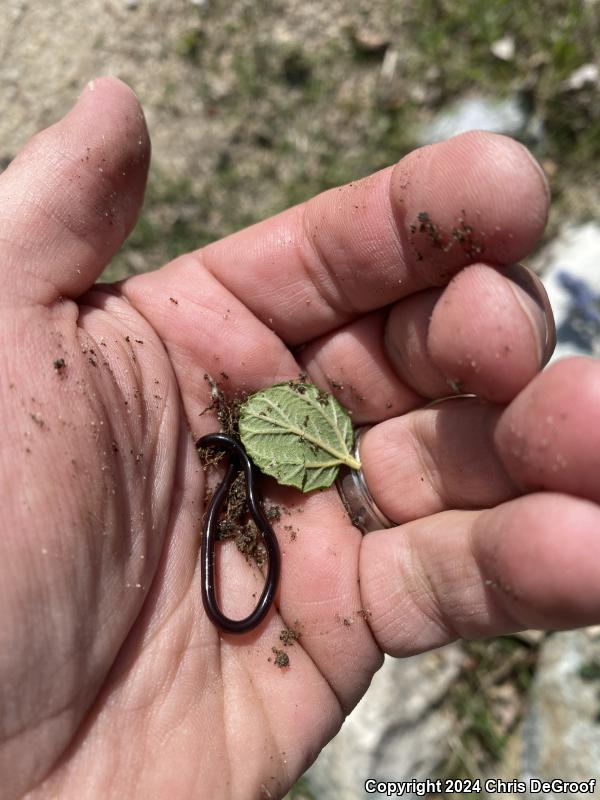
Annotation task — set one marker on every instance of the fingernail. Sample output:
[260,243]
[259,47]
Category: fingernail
[540,172]
[528,287]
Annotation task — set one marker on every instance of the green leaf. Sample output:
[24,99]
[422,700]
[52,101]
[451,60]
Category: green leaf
[298,434]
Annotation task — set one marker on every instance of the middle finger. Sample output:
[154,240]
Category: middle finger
[487,333]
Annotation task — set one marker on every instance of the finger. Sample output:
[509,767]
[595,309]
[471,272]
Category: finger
[352,364]
[465,453]
[320,593]
[210,335]
[72,195]
[436,459]
[531,563]
[367,244]
[549,436]
[488,333]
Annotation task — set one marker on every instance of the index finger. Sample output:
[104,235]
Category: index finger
[308,270]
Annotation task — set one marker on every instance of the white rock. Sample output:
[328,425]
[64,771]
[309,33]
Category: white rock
[561,735]
[476,112]
[575,251]
[583,76]
[396,732]
[504,48]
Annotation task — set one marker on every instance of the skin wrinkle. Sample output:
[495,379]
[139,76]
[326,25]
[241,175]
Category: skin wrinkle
[341,305]
[424,271]
[108,482]
[162,570]
[458,628]
[321,670]
[491,593]
[344,305]
[388,364]
[412,565]
[286,624]
[148,638]
[489,435]
[89,711]
[437,454]
[200,260]
[399,569]
[527,312]
[363,605]
[507,604]
[398,215]
[91,691]
[16,299]
[297,296]
[50,214]
[25,728]
[103,701]
[86,718]
[395,219]
[186,651]
[163,689]
[407,344]
[71,224]
[344,709]
[432,610]
[158,462]
[211,734]
[76,633]
[20,245]
[228,713]
[36,785]
[177,510]
[431,440]
[426,460]
[120,398]
[266,717]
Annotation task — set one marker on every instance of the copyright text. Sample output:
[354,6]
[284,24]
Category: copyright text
[491,786]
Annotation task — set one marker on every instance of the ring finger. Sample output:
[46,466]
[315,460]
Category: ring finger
[465,453]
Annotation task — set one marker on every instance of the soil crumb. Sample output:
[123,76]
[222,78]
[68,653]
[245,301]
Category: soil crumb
[273,513]
[289,636]
[281,659]
[226,408]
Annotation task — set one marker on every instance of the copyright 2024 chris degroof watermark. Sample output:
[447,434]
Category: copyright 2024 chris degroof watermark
[489,786]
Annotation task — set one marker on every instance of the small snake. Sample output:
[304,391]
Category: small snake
[237,458]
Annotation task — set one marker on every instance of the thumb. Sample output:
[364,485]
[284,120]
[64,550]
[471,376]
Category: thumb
[72,195]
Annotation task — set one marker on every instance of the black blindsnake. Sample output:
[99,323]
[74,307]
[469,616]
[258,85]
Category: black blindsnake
[237,458]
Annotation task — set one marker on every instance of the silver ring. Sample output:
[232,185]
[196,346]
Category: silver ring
[356,497]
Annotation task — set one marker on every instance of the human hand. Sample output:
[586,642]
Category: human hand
[112,681]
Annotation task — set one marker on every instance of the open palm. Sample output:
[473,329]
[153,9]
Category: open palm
[113,683]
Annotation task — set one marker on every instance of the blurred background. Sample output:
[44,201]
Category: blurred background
[254,106]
